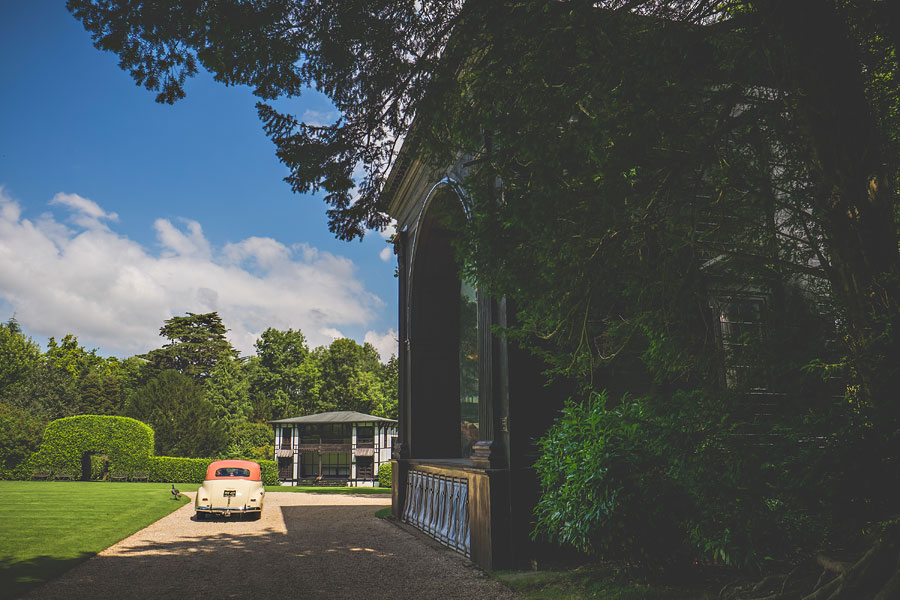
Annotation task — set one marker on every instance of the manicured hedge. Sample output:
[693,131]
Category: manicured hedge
[168,469]
[127,443]
[384,475]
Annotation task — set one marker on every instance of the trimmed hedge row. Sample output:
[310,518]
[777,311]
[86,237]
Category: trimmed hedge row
[384,475]
[168,469]
[127,445]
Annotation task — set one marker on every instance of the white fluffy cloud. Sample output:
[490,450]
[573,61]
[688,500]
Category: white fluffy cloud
[82,277]
[385,343]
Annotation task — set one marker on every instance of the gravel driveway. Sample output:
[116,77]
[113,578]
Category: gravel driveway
[304,546]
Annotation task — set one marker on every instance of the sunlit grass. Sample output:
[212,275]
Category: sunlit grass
[48,527]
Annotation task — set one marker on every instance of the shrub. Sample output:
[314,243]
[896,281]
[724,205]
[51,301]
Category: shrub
[126,442]
[384,475]
[604,490]
[168,469]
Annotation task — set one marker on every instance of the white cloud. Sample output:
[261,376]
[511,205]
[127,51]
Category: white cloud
[319,118]
[386,254]
[87,213]
[115,294]
[385,343]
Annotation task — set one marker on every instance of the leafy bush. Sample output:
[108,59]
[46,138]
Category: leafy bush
[384,475]
[169,469]
[604,490]
[127,443]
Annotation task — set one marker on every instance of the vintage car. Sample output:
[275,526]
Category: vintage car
[231,487]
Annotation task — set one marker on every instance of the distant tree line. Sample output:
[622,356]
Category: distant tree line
[201,398]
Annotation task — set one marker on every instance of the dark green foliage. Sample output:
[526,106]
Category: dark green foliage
[20,436]
[384,475]
[168,469]
[253,441]
[351,377]
[196,345]
[183,419]
[18,355]
[282,379]
[606,488]
[227,388]
[127,443]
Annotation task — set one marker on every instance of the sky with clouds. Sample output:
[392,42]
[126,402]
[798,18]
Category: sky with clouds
[117,213]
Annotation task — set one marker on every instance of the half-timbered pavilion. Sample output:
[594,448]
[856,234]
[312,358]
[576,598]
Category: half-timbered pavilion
[332,448]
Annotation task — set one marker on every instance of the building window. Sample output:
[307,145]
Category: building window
[309,434]
[365,436]
[741,333]
[468,368]
[309,465]
[337,433]
[336,464]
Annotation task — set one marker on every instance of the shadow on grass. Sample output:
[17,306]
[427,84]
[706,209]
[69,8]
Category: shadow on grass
[18,577]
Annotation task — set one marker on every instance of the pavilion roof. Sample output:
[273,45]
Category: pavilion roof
[340,416]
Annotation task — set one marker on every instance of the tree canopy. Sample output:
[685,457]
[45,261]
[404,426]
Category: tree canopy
[197,343]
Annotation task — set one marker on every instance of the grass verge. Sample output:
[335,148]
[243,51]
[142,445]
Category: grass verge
[312,489]
[383,513]
[48,527]
[596,582]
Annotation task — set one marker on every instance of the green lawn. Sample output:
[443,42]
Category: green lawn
[48,527]
[325,489]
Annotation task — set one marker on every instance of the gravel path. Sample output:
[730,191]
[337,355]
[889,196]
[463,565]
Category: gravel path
[304,546]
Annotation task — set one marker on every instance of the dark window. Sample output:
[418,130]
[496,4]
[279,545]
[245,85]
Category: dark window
[309,466]
[336,433]
[310,434]
[365,436]
[336,464]
[741,333]
[468,368]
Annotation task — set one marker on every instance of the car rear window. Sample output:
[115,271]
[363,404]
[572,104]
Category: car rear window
[232,472]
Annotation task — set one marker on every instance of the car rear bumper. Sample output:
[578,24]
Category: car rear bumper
[227,510]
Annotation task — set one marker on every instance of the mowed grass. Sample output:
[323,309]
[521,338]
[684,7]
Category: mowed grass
[326,489]
[48,527]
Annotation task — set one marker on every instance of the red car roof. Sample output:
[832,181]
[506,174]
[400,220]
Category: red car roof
[255,473]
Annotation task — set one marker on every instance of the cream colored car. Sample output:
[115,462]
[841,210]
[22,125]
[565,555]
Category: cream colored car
[231,487]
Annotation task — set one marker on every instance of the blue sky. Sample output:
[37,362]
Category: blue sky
[117,212]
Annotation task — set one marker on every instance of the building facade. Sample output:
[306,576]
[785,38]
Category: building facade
[333,448]
[471,404]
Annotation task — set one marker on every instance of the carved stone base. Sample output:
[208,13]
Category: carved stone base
[483,455]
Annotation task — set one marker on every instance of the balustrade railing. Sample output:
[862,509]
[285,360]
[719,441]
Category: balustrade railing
[439,506]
